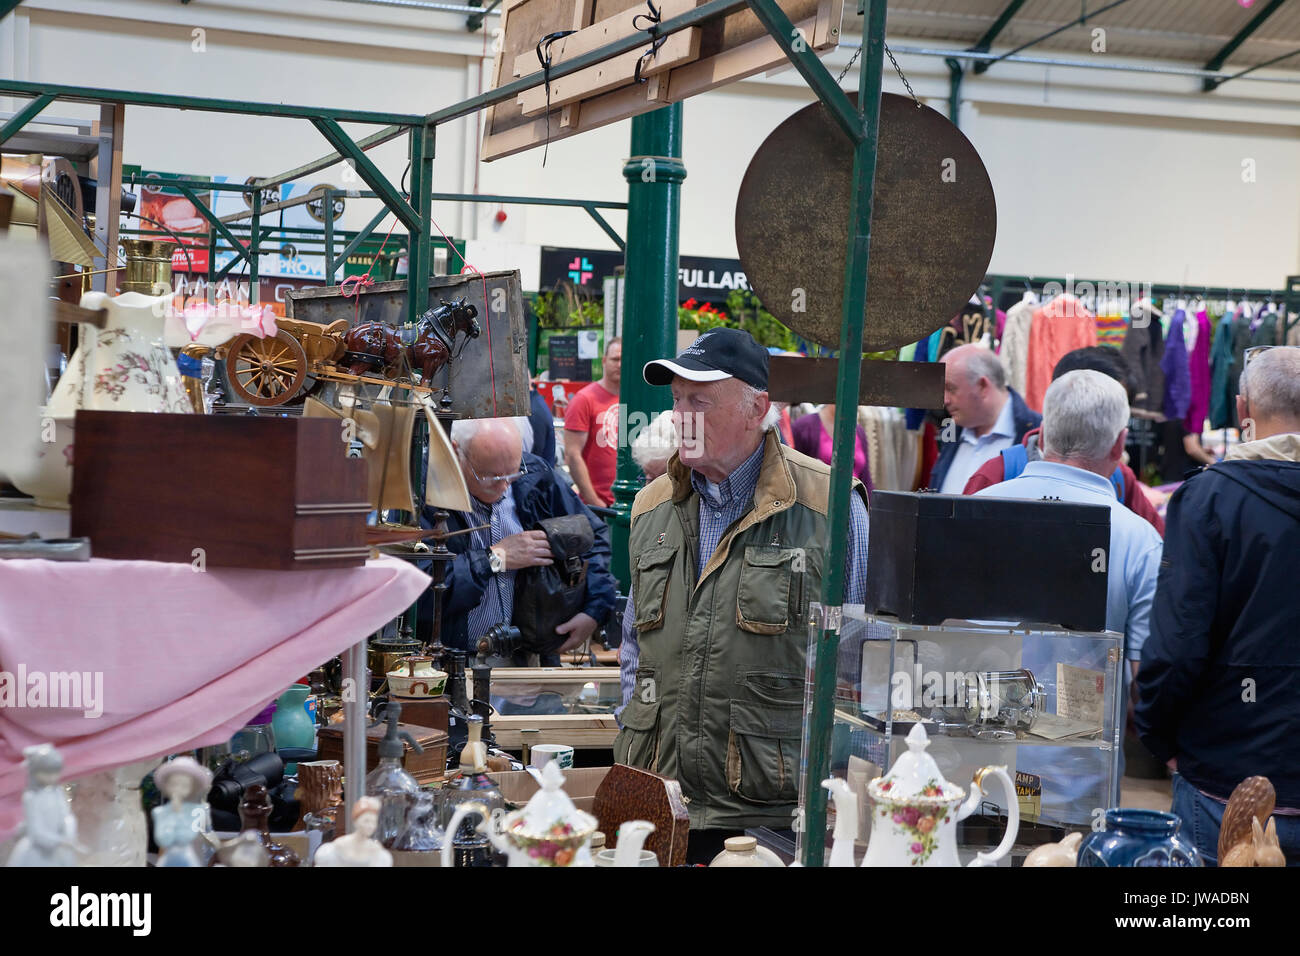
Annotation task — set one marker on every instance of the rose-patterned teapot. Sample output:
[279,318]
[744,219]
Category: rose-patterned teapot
[548,831]
[915,812]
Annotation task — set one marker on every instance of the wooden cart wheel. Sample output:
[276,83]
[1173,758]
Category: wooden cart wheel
[266,372]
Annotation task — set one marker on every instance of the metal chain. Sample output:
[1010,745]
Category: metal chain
[848,66]
[897,69]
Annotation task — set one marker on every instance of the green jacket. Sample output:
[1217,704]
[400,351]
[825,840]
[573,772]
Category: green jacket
[719,696]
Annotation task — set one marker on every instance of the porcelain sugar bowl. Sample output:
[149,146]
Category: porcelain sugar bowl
[548,831]
[915,811]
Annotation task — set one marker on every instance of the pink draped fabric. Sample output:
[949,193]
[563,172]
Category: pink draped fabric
[186,658]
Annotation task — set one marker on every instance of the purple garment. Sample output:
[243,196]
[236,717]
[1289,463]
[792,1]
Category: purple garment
[1178,382]
[808,430]
[1199,372]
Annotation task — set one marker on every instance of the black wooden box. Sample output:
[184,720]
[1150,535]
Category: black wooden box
[934,557]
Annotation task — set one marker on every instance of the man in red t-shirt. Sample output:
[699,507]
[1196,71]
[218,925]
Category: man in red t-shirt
[591,431]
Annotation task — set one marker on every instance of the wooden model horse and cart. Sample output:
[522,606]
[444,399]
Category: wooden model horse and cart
[267,372]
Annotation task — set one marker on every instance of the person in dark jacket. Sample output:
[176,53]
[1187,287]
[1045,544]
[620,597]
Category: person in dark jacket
[542,423]
[1108,361]
[511,492]
[986,416]
[1219,683]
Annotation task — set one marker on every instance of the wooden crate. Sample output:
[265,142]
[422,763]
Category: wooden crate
[226,490]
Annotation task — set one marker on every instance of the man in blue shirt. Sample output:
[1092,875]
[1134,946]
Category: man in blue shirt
[1085,425]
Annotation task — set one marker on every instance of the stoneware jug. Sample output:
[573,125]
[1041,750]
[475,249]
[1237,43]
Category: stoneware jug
[1138,838]
[914,819]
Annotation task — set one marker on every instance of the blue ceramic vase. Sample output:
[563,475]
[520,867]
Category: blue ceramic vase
[1138,838]
[292,726]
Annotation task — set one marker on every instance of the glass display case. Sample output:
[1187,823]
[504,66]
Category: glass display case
[555,690]
[555,705]
[1045,703]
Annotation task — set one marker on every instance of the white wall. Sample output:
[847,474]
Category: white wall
[1102,174]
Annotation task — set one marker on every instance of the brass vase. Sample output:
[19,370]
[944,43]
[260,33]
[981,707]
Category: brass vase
[148,266]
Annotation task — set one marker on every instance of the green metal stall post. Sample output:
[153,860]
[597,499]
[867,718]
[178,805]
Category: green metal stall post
[654,174]
[861,127]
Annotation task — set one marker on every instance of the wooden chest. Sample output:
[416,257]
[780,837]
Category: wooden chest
[427,767]
[218,491]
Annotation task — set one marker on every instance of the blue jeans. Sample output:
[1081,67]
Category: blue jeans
[1202,816]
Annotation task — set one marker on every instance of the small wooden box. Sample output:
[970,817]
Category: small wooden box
[427,767]
[431,712]
[266,493]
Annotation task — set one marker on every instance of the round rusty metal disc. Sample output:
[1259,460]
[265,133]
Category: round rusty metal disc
[933,223]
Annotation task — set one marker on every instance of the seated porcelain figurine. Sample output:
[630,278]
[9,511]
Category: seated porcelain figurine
[179,821]
[357,848]
[49,830]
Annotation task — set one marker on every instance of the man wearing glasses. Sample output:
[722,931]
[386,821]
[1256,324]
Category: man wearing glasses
[1219,683]
[511,491]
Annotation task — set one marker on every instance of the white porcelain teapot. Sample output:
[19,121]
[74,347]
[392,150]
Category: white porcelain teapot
[548,831]
[915,812]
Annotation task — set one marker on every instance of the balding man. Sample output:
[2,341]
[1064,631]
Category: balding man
[987,416]
[1219,684]
[511,490]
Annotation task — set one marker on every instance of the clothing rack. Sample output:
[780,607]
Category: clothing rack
[1288,297]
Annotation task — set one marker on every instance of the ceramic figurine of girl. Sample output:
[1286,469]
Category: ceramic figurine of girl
[357,848]
[179,821]
[49,831]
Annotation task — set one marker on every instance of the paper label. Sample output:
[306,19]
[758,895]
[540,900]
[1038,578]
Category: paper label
[1080,694]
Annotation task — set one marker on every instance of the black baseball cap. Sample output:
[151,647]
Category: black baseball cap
[715,355]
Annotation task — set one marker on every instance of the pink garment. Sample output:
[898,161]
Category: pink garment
[1198,366]
[1061,326]
[186,658]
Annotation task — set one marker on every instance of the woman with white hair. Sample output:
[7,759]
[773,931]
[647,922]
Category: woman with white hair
[655,444]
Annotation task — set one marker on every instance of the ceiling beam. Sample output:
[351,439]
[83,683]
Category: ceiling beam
[986,41]
[1078,21]
[1242,36]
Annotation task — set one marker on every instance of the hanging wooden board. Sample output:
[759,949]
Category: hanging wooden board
[713,54]
[932,228]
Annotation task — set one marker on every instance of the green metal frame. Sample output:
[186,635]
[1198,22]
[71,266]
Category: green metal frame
[983,65]
[6,6]
[985,43]
[863,133]
[859,125]
[1229,48]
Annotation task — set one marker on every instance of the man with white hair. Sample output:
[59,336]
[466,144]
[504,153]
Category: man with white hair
[1219,688]
[511,490]
[727,549]
[1085,425]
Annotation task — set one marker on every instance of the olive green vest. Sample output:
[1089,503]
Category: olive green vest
[719,696]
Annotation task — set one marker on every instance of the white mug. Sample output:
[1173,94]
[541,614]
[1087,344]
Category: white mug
[562,754]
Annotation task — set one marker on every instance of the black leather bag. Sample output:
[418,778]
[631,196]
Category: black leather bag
[548,596]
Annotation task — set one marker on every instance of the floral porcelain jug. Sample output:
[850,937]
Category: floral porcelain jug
[915,812]
[548,831]
[125,366]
